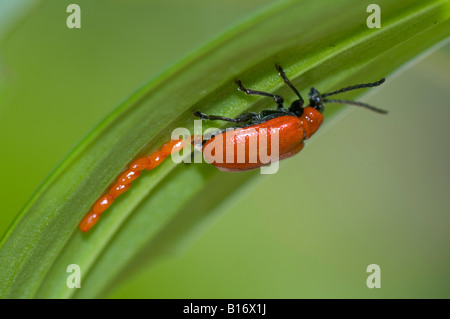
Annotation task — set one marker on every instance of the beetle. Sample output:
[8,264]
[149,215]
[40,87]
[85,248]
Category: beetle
[293,126]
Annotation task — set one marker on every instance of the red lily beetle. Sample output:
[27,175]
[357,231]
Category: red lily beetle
[293,126]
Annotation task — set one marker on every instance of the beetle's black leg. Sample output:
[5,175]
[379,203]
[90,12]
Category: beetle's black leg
[286,80]
[240,119]
[278,99]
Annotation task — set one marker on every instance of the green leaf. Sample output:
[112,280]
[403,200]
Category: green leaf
[10,12]
[322,44]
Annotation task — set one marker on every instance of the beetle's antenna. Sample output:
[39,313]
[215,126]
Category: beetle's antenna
[354,87]
[367,106]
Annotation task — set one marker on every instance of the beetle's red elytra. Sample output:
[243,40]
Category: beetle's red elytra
[292,126]
[291,130]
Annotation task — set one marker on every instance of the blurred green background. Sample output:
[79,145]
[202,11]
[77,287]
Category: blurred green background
[366,189]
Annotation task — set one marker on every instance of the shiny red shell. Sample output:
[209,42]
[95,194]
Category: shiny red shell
[292,131]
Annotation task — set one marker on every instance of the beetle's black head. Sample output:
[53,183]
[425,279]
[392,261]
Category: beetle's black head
[315,100]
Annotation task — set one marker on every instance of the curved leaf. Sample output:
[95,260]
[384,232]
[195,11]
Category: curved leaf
[315,46]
